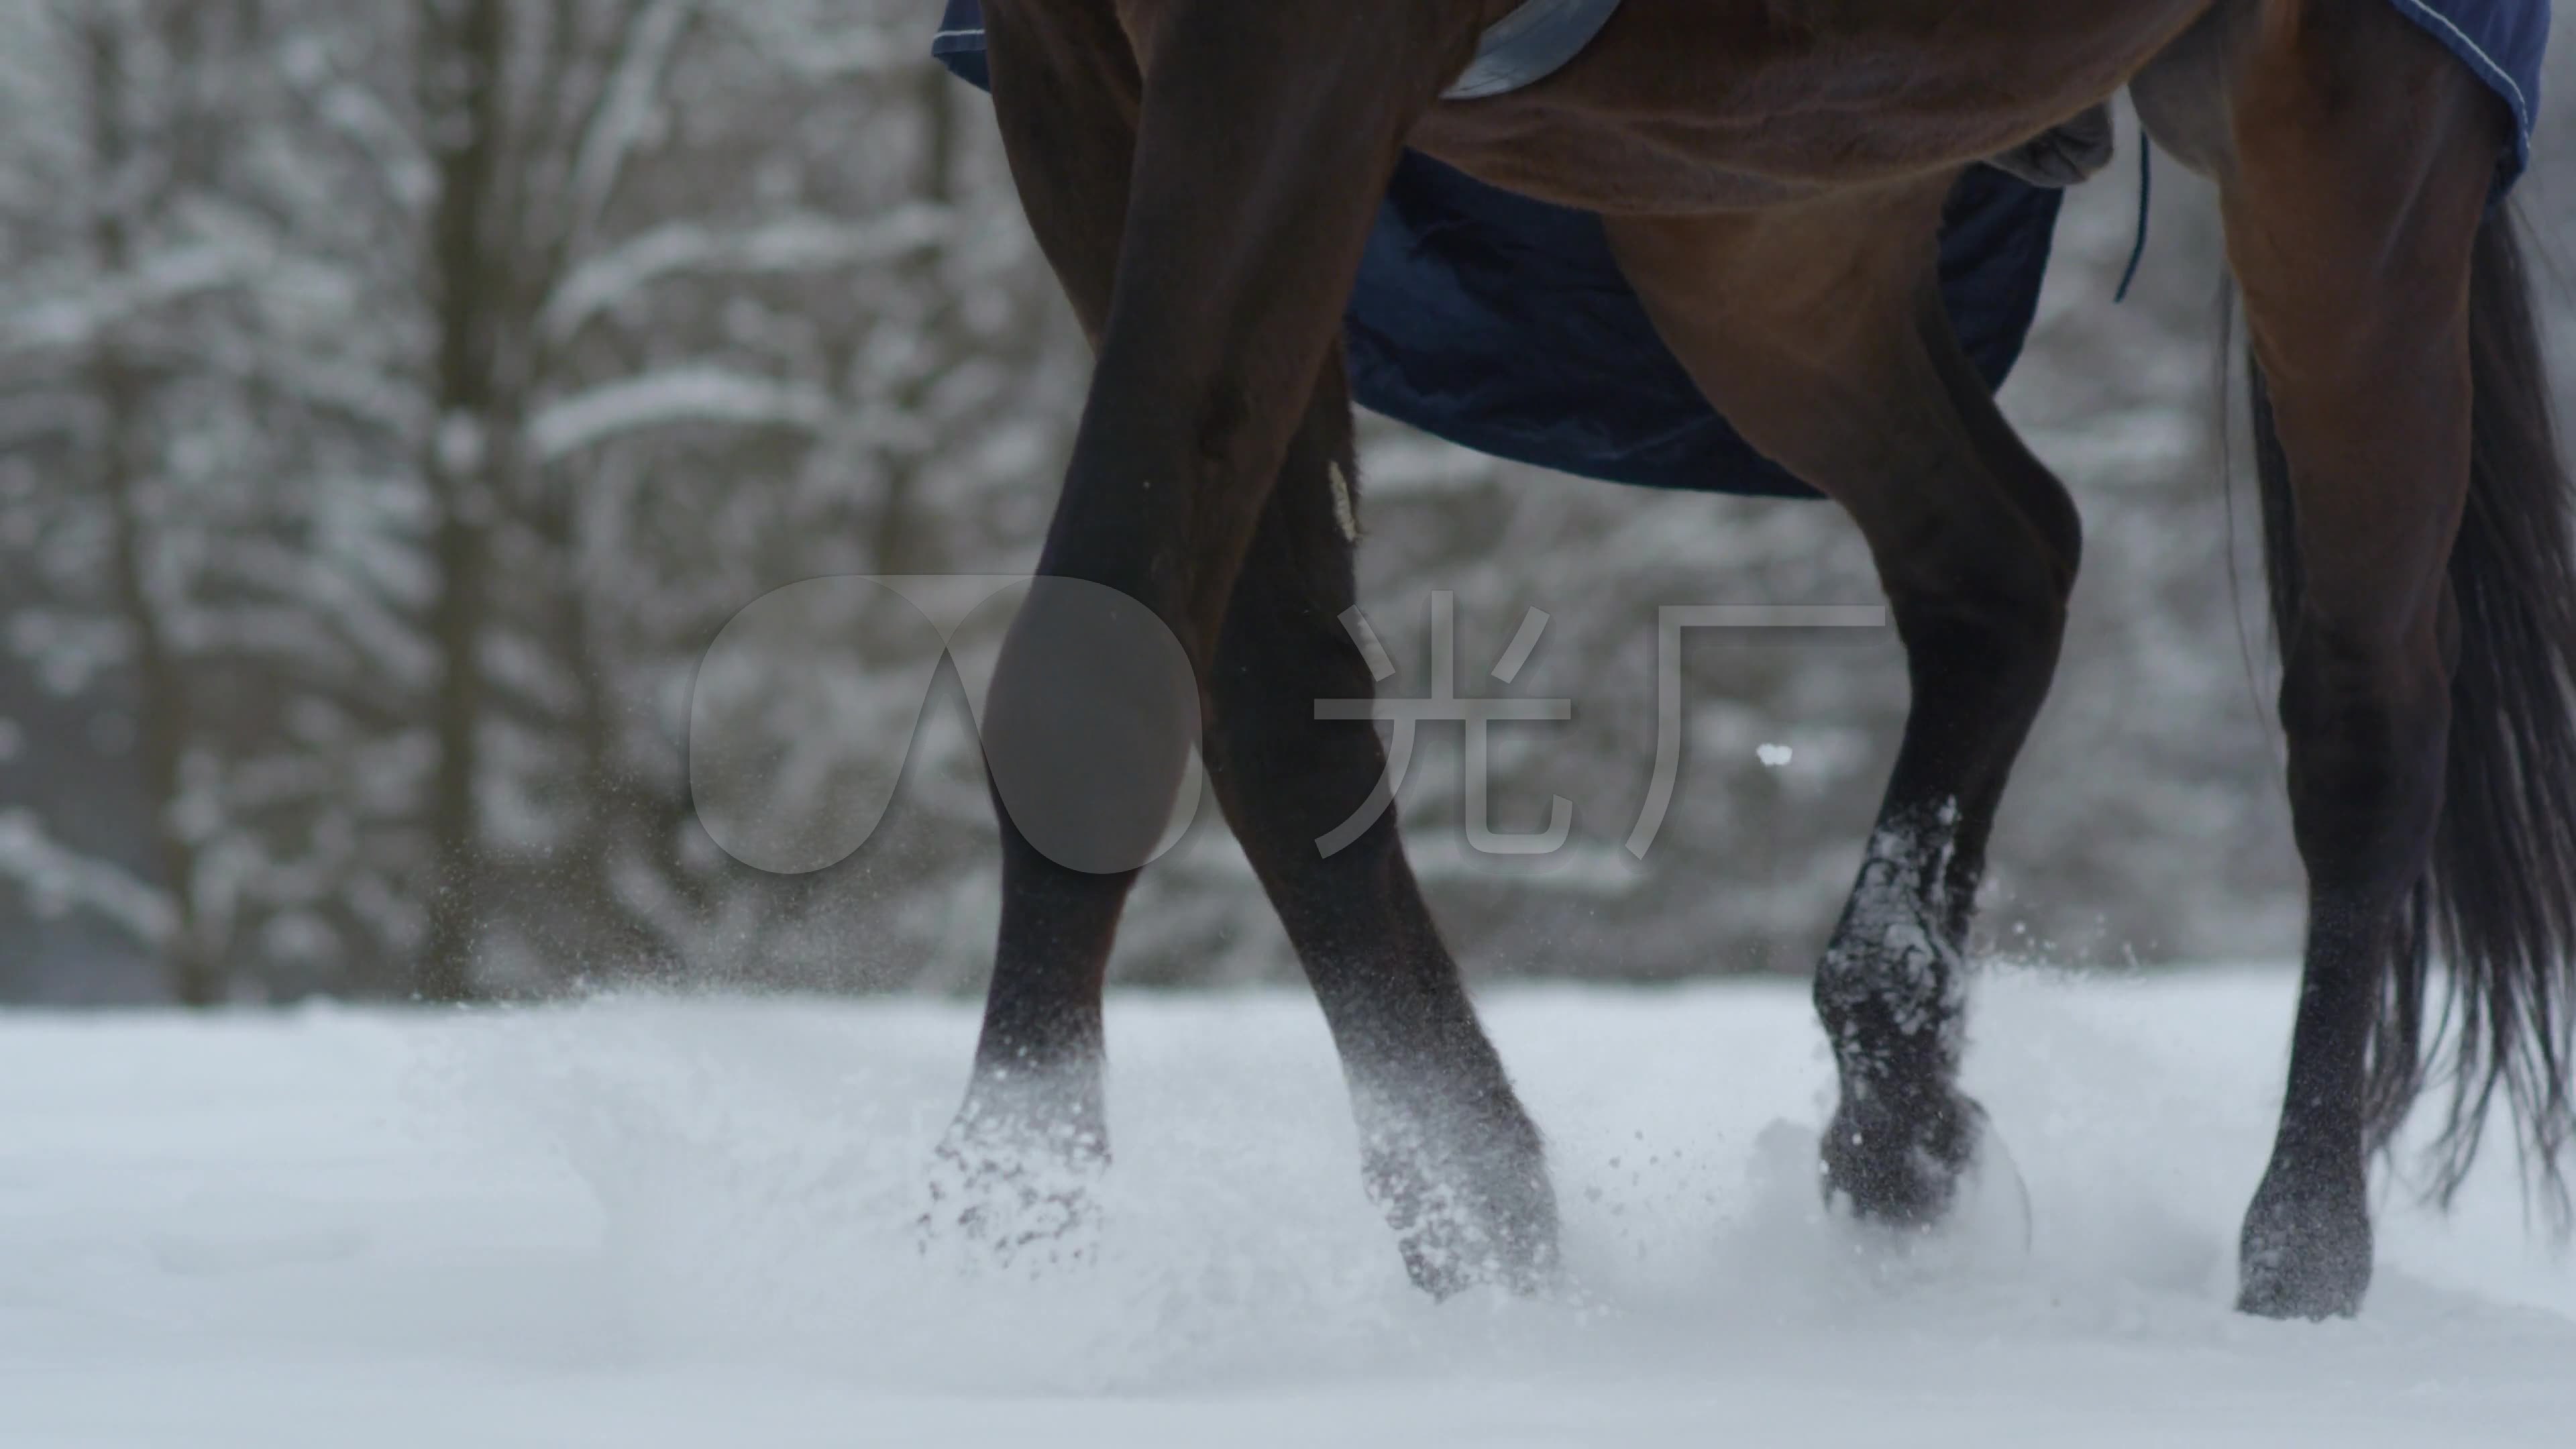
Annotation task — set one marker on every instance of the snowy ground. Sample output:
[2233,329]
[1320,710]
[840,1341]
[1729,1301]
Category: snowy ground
[654,1223]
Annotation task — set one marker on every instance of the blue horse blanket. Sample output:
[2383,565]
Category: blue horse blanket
[1503,324]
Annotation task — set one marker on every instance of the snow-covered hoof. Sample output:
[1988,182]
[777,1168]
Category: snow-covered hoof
[2306,1252]
[1016,1195]
[1981,1226]
[1470,1208]
[1898,1159]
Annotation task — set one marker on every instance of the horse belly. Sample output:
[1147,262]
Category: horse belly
[1687,105]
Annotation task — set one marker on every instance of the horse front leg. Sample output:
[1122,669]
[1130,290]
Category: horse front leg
[1015,1167]
[1449,1156]
[1205,196]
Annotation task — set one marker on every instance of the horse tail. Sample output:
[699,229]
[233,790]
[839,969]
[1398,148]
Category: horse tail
[2498,902]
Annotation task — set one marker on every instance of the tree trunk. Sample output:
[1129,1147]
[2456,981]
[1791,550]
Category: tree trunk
[461,86]
[123,395]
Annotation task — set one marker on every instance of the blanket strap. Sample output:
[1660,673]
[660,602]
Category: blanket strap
[2146,203]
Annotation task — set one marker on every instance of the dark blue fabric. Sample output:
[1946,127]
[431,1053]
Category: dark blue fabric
[2502,41]
[1502,323]
[960,42]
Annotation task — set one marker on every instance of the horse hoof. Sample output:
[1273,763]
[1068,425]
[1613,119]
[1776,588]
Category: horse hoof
[2306,1252]
[1017,1197]
[1467,1214]
[1899,1162]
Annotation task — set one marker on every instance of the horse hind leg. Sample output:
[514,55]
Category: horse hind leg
[2354,158]
[1821,332]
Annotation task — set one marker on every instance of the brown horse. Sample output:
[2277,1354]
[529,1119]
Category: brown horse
[1202,175]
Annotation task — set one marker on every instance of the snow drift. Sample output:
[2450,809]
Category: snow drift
[689,1222]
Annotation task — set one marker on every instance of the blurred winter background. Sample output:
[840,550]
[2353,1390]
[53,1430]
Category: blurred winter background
[396,400]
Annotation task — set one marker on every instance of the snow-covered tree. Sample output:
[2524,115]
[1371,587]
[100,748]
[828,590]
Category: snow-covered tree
[188,465]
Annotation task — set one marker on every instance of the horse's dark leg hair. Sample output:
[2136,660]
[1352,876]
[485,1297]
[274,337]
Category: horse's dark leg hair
[2044,504]
[1207,224]
[1821,331]
[2360,175]
[1452,1159]
[1066,88]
